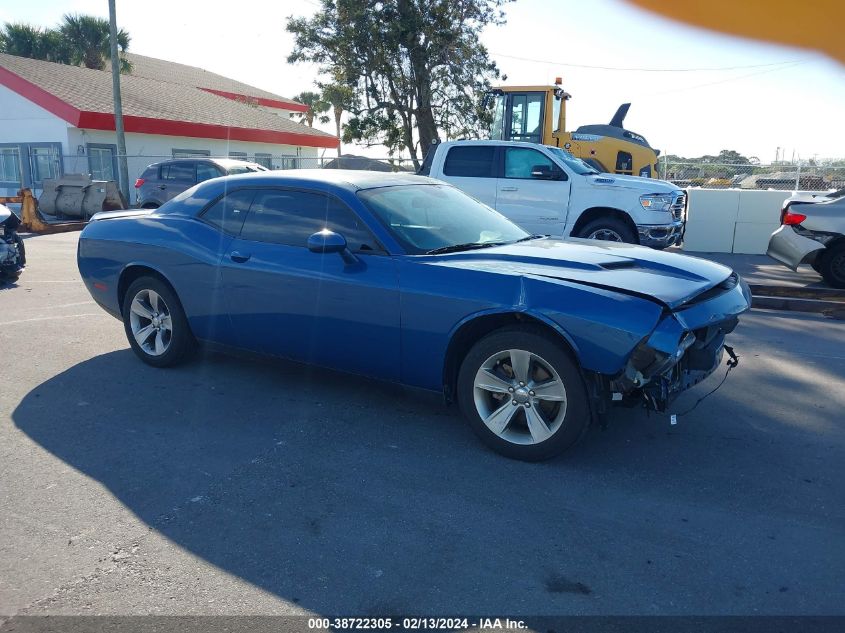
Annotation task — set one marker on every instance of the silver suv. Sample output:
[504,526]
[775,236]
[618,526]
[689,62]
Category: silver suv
[162,181]
[813,232]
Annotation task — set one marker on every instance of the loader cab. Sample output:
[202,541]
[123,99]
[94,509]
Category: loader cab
[530,114]
[537,114]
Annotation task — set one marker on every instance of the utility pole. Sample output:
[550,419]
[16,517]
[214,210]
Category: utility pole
[118,104]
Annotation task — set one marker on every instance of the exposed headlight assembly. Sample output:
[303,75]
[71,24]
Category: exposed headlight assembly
[656,201]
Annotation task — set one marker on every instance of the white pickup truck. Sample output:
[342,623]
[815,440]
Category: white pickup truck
[547,191]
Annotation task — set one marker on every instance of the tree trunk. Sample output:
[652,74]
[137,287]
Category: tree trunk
[338,112]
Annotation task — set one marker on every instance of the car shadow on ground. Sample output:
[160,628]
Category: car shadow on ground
[344,495]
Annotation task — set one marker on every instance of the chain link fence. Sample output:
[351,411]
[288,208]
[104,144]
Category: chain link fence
[779,176]
[101,164]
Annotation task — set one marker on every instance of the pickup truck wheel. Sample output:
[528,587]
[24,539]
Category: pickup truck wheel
[832,265]
[609,229]
[523,394]
[155,323]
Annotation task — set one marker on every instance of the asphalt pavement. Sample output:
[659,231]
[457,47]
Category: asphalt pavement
[230,485]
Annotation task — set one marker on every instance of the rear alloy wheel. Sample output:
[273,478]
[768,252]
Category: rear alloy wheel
[155,323]
[609,230]
[832,265]
[523,394]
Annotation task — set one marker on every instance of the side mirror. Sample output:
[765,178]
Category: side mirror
[543,172]
[327,241]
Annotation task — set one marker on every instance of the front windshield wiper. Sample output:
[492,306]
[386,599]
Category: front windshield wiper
[529,238]
[462,247]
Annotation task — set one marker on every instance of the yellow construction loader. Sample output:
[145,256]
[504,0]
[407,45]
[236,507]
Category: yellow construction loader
[537,114]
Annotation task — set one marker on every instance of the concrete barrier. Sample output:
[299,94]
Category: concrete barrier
[732,220]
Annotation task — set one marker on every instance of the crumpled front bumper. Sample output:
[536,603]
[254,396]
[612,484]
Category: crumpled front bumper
[661,235]
[686,346]
[792,249]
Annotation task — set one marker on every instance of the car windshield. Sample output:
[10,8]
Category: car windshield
[575,164]
[423,218]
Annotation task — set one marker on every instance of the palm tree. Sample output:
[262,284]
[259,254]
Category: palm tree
[339,97]
[87,39]
[25,40]
[316,107]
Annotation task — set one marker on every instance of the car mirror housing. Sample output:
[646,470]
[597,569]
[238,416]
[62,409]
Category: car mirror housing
[544,172]
[327,241]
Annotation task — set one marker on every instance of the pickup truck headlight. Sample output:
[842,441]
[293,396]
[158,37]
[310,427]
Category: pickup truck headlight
[656,201]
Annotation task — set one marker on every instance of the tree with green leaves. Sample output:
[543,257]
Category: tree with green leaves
[340,98]
[415,66]
[316,108]
[25,40]
[81,40]
[87,39]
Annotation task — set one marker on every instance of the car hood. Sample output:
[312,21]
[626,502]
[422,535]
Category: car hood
[635,183]
[668,278]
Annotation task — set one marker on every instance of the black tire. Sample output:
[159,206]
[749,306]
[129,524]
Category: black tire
[832,265]
[817,265]
[609,223]
[180,342]
[572,422]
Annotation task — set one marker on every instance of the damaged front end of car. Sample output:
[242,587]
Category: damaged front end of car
[686,346]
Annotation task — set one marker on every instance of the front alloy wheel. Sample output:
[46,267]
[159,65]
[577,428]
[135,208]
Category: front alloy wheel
[523,394]
[520,397]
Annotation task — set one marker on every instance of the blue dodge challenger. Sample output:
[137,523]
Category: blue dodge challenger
[407,279]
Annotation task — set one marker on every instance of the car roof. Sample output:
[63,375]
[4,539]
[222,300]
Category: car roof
[493,142]
[223,162]
[351,179]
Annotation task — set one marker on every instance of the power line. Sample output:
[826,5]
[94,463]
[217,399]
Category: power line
[721,81]
[646,70]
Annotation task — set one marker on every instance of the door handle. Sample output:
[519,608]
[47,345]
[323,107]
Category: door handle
[240,258]
[509,189]
[162,186]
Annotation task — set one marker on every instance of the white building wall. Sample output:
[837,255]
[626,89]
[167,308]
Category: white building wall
[21,121]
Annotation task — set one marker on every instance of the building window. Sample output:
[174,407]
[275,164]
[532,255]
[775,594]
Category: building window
[238,155]
[101,161]
[10,165]
[44,161]
[264,159]
[188,153]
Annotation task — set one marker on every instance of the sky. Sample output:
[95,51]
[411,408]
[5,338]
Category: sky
[693,92]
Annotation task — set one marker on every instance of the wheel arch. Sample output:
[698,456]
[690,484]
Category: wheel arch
[134,271]
[595,213]
[471,329]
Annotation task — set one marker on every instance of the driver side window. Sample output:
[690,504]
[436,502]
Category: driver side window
[521,161]
[282,216]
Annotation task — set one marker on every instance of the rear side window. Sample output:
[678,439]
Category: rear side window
[472,161]
[229,212]
[206,171]
[291,217]
[178,171]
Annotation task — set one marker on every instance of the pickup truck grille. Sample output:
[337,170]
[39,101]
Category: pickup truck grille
[679,206]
